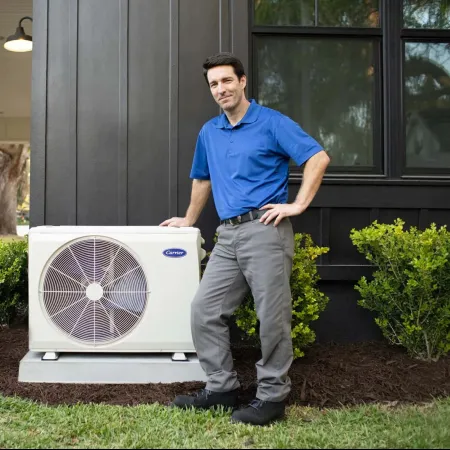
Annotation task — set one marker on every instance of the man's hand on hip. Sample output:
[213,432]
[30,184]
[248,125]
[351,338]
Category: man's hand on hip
[176,222]
[279,212]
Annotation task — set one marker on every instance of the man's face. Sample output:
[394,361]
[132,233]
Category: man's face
[225,87]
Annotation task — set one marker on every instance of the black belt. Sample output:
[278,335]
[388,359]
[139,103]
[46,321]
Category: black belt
[251,215]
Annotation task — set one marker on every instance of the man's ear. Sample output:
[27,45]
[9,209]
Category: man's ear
[243,80]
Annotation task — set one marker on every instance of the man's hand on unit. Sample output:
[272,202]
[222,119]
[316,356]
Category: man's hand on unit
[176,222]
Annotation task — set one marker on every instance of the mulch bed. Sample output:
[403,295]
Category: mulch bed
[329,376]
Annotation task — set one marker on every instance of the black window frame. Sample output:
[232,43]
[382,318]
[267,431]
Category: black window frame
[373,35]
[389,148]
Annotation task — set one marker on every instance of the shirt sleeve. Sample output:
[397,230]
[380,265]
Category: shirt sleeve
[200,168]
[294,142]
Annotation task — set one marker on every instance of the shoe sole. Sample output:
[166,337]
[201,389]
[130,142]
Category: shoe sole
[203,408]
[237,421]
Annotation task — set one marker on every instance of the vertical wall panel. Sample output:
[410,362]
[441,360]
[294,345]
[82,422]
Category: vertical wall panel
[98,112]
[225,26]
[325,234]
[174,68]
[39,113]
[61,113]
[343,319]
[440,217]
[122,156]
[199,38]
[342,220]
[149,100]
[308,222]
[409,216]
[239,32]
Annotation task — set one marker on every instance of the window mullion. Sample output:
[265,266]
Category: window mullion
[316,31]
[316,13]
[393,88]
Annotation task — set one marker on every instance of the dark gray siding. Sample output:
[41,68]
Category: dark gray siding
[150,70]
[60,202]
[118,101]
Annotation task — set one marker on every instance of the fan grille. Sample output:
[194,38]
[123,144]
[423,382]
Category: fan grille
[94,290]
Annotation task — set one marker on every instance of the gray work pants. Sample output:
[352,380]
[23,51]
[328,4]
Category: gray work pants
[252,255]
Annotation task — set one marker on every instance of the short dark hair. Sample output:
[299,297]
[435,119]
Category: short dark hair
[223,59]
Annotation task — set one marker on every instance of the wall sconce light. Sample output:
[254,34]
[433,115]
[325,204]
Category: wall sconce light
[19,41]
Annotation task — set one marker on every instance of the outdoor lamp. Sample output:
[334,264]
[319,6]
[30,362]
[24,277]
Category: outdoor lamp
[19,42]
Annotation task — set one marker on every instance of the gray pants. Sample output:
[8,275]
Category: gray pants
[252,255]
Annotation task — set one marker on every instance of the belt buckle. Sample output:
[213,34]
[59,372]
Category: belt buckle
[235,220]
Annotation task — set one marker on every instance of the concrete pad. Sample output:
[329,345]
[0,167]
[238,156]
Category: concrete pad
[94,368]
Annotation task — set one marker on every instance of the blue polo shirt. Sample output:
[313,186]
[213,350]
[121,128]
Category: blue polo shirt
[248,164]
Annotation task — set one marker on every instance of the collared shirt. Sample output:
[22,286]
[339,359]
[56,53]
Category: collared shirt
[248,164]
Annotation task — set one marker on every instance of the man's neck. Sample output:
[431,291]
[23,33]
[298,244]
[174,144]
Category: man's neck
[238,113]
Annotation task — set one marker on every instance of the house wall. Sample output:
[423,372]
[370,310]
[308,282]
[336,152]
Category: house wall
[118,100]
[14,129]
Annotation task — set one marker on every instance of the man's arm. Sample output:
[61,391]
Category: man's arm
[199,196]
[312,178]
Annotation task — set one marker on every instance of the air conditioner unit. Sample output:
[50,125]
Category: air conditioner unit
[112,289]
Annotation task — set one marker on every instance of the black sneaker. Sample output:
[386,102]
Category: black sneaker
[206,399]
[259,412]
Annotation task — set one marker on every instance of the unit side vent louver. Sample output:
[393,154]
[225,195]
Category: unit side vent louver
[94,290]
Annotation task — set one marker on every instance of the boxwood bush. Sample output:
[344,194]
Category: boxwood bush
[13,280]
[410,290]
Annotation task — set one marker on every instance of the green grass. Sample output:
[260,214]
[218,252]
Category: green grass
[24,424]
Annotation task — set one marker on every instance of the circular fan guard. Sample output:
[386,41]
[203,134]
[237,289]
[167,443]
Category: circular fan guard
[94,290]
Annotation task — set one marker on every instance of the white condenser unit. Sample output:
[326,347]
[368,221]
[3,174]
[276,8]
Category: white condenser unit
[112,289]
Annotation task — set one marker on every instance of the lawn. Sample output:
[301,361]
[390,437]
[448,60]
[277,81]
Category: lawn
[24,424]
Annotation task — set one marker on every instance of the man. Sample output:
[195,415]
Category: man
[243,156]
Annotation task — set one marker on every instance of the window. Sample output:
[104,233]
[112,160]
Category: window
[426,14]
[327,13]
[426,87]
[427,104]
[326,80]
[369,79]
[313,89]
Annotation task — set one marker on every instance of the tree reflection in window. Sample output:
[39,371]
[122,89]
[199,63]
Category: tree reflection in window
[426,14]
[330,13]
[327,86]
[427,104]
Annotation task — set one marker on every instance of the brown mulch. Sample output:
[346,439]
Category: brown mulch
[330,375]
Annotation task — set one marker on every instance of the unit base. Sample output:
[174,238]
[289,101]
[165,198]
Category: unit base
[104,368]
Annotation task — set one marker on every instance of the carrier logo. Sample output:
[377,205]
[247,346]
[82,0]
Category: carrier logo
[174,252]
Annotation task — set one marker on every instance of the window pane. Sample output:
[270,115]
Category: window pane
[427,104]
[284,12]
[426,14]
[349,13]
[331,13]
[327,86]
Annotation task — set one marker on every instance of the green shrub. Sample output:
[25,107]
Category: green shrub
[13,280]
[410,290]
[307,301]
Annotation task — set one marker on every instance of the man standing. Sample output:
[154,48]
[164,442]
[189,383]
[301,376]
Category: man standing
[243,156]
